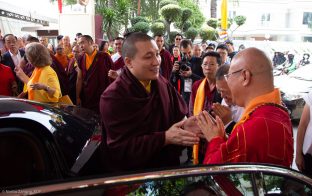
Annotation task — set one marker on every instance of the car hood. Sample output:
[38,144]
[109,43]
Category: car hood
[292,85]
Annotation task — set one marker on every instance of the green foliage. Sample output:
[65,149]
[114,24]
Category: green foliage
[213,22]
[158,28]
[171,12]
[197,18]
[70,2]
[163,3]
[191,33]
[208,33]
[186,14]
[141,27]
[172,35]
[138,19]
[186,26]
[240,20]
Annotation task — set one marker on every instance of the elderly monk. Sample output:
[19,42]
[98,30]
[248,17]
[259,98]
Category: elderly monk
[92,74]
[142,113]
[264,132]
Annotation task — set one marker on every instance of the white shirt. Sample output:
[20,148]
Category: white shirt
[16,58]
[307,142]
[237,111]
[115,57]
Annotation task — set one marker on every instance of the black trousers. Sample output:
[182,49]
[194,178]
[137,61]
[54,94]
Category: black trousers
[307,165]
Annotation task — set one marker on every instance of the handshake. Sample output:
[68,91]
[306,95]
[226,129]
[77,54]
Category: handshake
[189,131]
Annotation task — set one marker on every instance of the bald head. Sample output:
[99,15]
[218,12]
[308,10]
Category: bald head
[251,75]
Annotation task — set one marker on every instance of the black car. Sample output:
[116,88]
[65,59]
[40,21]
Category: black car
[234,179]
[41,142]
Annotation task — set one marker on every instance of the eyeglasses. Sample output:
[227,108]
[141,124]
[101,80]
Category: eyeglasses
[227,76]
[178,39]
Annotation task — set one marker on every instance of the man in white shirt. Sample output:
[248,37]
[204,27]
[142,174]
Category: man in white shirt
[117,59]
[13,56]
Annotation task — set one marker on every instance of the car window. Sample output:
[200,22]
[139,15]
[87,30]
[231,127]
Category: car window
[225,184]
[272,184]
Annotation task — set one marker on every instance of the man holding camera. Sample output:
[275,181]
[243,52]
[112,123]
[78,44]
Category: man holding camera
[186,71]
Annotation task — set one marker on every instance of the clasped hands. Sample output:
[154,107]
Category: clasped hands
[189,131]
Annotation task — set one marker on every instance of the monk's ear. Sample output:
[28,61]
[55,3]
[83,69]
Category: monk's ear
[128,62]
[246,77]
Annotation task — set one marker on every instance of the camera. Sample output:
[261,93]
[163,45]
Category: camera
[184,64]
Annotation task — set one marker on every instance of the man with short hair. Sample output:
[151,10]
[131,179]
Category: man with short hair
[187,71]
[264,132]
[13,57]
[197,52]
[43,41]
[177,40]
[223,50]
[230,46]
[166,63]
[92,76]
[67,46]
[117,59]
[227,110]
[142,113]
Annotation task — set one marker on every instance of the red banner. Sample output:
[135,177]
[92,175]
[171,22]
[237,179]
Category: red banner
[59,2]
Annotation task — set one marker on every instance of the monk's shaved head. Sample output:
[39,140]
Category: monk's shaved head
[128,48]
[255,60]
[250,75]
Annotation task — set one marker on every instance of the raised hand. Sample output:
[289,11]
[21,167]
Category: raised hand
[224,112]
[210,127]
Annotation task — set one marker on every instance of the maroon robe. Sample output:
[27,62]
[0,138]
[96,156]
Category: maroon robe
[119,64]
[166,64]
[135,122]
[94,80]
[62,75]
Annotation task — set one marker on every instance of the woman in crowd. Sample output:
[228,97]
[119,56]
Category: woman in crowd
[104,46]
[43,85]
[304,138]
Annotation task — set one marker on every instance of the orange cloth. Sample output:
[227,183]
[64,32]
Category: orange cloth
[273,97]
[89,59]
[198,107]
[63,59]
[47,76]
[148,87]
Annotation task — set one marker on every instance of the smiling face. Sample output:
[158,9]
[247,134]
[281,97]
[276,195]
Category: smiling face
[146,62]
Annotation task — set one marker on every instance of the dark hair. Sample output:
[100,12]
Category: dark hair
[88,38]
[229,42]
[211,45]
[7,35]
[221,71]
[59,37]
[32,39]
[213,54]
[223,47]
[119,38]
[185,43]
[78,34]
[128,47]
[158,35]
[102,44]
[178,34]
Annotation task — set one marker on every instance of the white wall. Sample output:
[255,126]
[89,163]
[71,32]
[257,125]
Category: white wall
[70,24]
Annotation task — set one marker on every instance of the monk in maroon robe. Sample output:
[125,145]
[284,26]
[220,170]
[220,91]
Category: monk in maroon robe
[142,113]
[166,62]
[92,76]
[118,62]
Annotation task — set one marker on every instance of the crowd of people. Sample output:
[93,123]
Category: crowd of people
[155,100]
